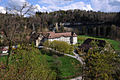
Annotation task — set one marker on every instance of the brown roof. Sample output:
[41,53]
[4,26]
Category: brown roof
[57,35]
[52,35]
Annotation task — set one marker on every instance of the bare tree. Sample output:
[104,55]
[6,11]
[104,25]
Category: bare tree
[24,10]
[14,22]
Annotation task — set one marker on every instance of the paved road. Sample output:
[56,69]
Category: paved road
[77,78]
[77,57]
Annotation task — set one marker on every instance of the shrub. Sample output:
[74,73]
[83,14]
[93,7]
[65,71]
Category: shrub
[59,46]
[27,64]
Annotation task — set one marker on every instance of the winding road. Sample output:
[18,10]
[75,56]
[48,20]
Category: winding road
[77,57]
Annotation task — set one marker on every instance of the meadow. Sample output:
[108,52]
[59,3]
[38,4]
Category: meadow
[115,44]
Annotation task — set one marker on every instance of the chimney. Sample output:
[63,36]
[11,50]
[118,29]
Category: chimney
[72,33]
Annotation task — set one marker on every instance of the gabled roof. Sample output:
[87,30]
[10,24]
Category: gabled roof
[51,35]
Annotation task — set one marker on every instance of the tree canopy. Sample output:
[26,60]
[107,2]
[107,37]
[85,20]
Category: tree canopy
[59,46]
[27,64]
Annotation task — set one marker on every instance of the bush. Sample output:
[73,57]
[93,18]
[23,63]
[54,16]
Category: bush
[59,46]
[27,64]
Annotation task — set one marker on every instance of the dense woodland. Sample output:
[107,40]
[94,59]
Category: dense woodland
[98,24]
[86,17]
[91,23]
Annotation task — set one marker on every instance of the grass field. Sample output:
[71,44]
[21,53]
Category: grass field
[66,65]
[3,59]
[115,44]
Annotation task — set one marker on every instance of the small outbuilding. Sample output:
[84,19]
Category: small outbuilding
[87,44]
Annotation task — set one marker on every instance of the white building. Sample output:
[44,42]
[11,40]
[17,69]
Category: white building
[4,50]
[68,37]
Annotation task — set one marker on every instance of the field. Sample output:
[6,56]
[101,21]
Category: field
[115,44]
[66,65]
[3,59]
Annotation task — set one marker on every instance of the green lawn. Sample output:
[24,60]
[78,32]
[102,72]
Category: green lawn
[3,59]
[69,66]
[66,65]
[115,44]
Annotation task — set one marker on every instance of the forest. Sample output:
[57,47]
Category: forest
[98,24]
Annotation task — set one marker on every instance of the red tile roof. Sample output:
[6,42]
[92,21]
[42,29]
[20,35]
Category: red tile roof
[51,35]
[3,49]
